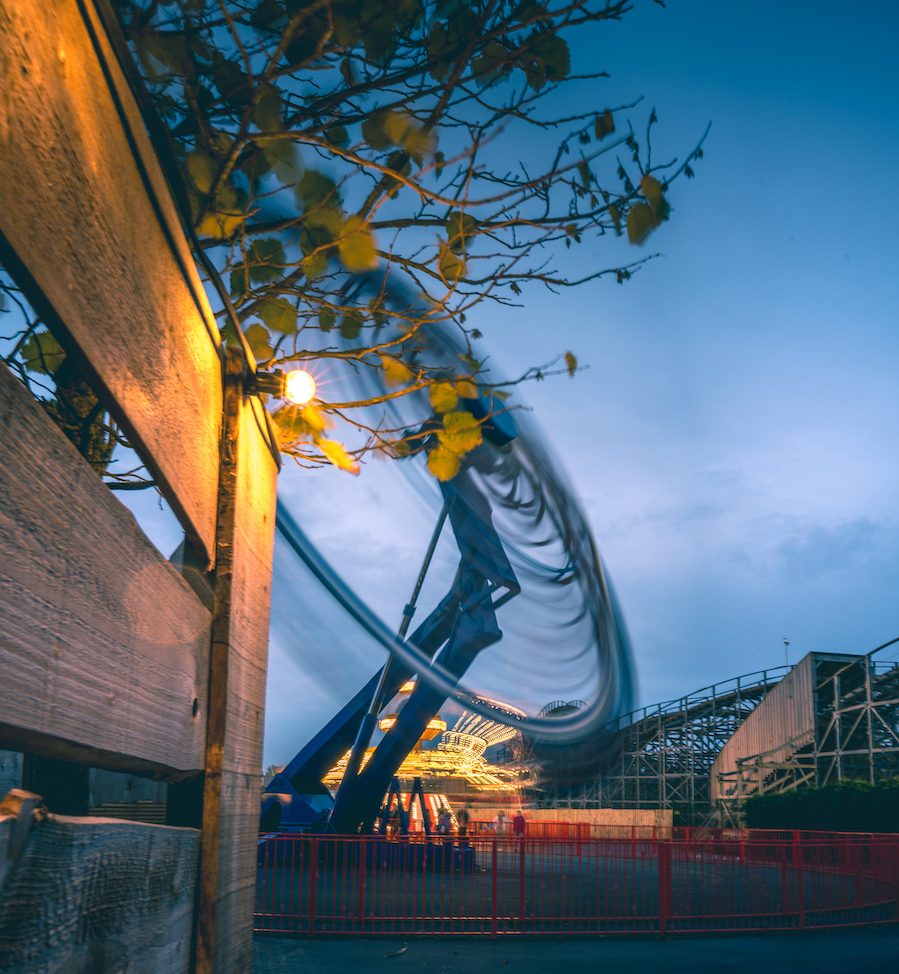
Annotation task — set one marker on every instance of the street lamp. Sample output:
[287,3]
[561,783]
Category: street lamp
[296,386]
[299,387]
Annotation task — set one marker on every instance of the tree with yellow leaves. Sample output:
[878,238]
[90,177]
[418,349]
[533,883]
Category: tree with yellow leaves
[324,140]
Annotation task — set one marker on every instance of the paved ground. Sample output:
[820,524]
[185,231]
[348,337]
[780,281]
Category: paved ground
[873,950]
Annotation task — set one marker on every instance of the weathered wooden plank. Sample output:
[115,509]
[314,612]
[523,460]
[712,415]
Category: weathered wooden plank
[104,648]
[91,895]
[88,228]
[237,686]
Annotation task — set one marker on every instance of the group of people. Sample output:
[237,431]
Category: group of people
[501,824]
[463,817]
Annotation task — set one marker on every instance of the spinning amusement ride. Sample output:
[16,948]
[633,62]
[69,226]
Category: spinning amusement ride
[526,562]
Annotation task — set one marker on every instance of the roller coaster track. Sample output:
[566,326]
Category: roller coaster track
[658,756]
[662,756]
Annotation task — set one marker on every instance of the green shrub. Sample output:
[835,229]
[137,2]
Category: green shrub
[851,806]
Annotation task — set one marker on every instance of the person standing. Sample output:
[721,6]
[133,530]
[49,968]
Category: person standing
[463,817]
[519,824]
[501,824]
[444,822]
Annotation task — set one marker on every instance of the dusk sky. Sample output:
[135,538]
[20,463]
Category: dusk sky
[734,438]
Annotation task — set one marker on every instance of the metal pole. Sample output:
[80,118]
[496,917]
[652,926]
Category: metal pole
[838,725]
[868,705]
[367,725]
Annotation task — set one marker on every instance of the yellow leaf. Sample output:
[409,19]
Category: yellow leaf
[615,214]
[641,221]
[314,418]
[357,246]
[451,266]
[300,422]
[443,463]
[402,130]
[443,397]
[258,337]
[267,113]
[395,125]
[337,454]
[467,389]
[651,188]
[202,170]
[461,432]
[418,143]
[604,124]
[326,218]
[42,353]
[571,363]
[396,373]
[220,226]
[291,426]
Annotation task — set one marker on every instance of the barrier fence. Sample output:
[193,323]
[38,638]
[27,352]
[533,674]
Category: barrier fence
[687,882]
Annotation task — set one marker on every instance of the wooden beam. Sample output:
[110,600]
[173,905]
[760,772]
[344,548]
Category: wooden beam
[104,648]
[99,895]
[89,231]
[238,660]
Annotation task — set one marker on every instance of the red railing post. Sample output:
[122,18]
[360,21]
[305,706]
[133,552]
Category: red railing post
[663,864]
[494,877]
[312,896]
[896,874]
[784,882]
[798,872]
[633,842]
[360,899]
[521,882]
[859,873]
[261,899]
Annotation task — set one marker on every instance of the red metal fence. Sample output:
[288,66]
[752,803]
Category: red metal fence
[687,882]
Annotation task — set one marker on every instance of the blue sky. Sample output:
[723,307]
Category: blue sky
[734,439]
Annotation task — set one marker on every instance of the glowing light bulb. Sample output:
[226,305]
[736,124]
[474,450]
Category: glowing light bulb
[299,387]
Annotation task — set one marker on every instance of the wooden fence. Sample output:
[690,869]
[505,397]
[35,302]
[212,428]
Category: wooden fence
[109,659]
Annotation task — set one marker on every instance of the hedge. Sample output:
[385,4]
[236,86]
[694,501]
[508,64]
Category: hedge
[851,806]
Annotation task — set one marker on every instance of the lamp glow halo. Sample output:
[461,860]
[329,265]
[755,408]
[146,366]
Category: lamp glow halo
[565,588]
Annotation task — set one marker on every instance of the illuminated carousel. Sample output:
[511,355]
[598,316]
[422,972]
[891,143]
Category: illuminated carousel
[452,765]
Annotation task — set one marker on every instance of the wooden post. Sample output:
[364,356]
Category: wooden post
[237,663]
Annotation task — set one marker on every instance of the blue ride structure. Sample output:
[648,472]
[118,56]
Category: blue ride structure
[526,560]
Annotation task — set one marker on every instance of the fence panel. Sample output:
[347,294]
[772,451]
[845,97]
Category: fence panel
[497,885]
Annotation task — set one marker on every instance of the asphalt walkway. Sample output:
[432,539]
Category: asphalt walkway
[871,950]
